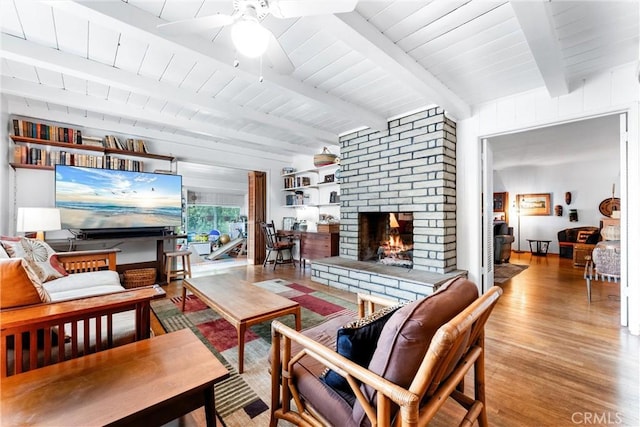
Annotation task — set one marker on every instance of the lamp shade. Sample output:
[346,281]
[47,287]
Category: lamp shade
[38,220]
[249,37]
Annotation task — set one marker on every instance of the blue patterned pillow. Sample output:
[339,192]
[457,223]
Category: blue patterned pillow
[357,341]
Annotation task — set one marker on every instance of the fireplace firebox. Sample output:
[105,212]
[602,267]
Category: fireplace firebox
[386,237]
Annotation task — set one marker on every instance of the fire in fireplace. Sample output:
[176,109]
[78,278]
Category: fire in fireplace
[386,238]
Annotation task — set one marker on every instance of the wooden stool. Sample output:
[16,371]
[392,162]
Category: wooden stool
[183,272]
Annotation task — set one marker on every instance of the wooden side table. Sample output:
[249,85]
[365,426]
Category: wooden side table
[539,247]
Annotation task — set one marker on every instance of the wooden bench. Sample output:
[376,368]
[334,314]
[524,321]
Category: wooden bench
[33,331]
[149,382]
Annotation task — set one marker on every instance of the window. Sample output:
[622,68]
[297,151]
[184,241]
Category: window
[201,219]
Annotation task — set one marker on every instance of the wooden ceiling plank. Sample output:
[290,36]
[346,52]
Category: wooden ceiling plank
[537,26]
[354,30]
[24,51]
[23,88]
[131,19]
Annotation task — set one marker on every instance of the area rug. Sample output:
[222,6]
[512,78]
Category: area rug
[242,400]
[504,272]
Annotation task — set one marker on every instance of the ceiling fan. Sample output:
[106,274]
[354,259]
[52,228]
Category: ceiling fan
[249,36]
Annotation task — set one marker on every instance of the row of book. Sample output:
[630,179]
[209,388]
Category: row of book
[47,132]
[41,157]
[29,129]
[129,144]
[296,181]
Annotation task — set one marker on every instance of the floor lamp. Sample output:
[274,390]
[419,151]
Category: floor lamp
[518,251]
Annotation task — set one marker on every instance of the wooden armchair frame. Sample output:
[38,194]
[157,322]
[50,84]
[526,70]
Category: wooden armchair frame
[465,332]
[22,328]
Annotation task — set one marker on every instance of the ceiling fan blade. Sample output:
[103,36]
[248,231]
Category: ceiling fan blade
[296,8]
[278,57]
[195,25]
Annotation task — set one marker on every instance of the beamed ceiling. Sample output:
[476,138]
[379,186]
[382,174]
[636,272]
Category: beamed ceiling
[105,64]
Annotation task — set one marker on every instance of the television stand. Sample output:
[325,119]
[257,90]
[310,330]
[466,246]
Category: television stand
[123,239]
[120,233]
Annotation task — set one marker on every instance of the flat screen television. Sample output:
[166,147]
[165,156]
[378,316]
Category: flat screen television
[106,199]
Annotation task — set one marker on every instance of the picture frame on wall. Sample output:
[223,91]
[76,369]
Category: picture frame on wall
[534,204]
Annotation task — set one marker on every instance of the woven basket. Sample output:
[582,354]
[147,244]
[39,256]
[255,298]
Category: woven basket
[324,158]
[140,277]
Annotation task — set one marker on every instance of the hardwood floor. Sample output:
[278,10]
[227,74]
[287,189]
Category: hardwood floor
[552,359]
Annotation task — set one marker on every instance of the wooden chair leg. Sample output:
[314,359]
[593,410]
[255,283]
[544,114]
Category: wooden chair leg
[266,258]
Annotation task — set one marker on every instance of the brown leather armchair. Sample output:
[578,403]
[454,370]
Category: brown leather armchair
[423,353]
[502,240]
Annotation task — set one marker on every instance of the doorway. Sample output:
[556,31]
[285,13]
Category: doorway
[584,158]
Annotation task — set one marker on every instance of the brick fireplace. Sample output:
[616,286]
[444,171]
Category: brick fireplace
[408,169]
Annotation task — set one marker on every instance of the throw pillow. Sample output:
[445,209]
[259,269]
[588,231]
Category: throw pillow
[357,341]
[35,273]
[36,250]
[3,253]
[16,289]
[44,271]
[12,246]
[57,265]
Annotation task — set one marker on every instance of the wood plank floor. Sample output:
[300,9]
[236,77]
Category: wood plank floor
[552,358]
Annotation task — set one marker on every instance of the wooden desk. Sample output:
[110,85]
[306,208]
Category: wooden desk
[240,303]
[112,242]
[314,245]
[149,382]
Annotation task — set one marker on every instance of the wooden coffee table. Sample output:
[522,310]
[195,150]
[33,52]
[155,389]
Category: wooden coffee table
[148,382]
[240,303]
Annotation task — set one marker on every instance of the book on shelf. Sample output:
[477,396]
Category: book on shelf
[112,141]
[137,145]
[24,155]
[93,141]
[28,129]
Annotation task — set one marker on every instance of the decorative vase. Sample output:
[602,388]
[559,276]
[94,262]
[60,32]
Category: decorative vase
[611,232]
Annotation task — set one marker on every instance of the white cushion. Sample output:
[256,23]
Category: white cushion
[82,282]
[124,331]
[85,292]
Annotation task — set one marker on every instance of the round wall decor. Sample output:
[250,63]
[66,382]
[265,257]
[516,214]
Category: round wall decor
[609,205]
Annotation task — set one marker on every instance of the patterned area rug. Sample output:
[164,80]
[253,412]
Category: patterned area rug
[242,400]
[504,272]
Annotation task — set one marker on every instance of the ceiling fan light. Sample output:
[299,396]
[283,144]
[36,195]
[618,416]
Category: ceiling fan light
[249,37]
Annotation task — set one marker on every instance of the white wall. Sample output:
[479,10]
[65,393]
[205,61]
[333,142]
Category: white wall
[589,183]
[36,187]
[5,188]
[617,91]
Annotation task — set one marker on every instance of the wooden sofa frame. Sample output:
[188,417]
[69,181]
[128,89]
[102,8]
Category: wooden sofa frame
[32,331]
[92,260]
[449,340]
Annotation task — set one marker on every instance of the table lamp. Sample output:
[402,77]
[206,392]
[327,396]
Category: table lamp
[38,220]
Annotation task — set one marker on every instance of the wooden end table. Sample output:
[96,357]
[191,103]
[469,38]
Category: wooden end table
[240,303]
[149,382]
[539,247]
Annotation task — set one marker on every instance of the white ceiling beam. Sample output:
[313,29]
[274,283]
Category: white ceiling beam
[191,147]
[35,91]
[363,37]
[537,26]
[122,17]
[37,55]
